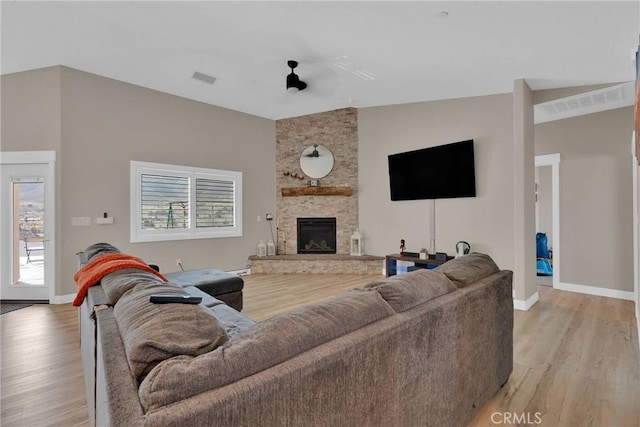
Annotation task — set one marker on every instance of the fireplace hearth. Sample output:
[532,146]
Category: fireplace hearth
[316,235]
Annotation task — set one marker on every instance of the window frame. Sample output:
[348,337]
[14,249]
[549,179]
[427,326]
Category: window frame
[138,234]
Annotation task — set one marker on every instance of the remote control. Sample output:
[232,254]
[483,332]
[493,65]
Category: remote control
[180,299]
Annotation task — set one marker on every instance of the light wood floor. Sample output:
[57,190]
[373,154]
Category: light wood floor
[41,380]
[576,357]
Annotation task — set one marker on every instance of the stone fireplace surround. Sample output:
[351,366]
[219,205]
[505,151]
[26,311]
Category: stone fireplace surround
[316,264]
[338,131]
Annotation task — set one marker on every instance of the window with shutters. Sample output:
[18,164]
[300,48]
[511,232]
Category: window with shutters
[171,202]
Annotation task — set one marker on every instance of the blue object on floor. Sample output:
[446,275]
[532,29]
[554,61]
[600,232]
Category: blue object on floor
[542,246]
[543,267]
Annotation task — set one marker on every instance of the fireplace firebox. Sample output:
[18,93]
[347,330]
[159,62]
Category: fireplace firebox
[316,235]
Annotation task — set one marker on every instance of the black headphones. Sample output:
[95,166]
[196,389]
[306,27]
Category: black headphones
[467,247]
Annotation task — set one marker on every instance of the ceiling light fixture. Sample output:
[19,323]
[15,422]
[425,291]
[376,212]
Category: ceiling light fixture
[294,84]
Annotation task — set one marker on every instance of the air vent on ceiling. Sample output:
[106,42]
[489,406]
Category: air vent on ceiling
[203,78]
[595,101]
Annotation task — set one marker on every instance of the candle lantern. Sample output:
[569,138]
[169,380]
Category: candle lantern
[356,244]
[262,248]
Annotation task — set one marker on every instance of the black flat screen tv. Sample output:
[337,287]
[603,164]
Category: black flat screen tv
[440,172]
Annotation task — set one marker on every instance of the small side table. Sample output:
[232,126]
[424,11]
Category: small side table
[391,262]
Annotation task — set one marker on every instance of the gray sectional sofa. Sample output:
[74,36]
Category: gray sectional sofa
[428,348]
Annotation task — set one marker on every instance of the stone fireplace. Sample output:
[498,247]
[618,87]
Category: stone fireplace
[316,235]
[334,197]
[337,131]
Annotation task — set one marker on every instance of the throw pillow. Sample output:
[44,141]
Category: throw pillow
[468,269]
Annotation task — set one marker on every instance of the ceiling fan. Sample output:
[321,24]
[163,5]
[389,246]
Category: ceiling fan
[294,84]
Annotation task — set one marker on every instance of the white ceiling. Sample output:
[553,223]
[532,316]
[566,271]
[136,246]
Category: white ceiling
[410,50]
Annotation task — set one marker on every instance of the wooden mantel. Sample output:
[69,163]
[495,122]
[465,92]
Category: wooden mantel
[315,191]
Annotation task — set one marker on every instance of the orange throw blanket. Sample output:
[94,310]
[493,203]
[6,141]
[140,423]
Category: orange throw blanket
[97,268]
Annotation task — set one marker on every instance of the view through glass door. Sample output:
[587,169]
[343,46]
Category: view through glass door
[24,232]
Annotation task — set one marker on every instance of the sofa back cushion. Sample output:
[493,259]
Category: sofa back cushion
[99,249]
[406,291]
[269,343]
[117,283]
[152,333]
[468,269]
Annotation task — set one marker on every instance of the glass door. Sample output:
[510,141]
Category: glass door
[24,242]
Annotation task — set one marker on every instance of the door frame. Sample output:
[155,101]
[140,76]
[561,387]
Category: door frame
[553,160]
[636,225]
[48,158]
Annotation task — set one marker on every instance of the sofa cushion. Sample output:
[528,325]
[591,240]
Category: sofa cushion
[152,333]
[207,300]
[231,320]
[117,283]
[405,291]
[212,281]
[468,269]
[269,343]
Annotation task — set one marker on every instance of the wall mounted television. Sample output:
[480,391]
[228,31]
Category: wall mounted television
[440,172]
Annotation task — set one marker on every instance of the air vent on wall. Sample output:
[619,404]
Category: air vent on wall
[595,101]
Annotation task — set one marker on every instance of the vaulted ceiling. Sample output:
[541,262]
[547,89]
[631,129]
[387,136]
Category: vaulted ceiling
[357,53]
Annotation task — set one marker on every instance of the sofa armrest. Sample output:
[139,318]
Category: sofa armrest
[117,402]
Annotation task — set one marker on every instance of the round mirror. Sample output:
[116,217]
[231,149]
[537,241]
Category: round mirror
[316,161]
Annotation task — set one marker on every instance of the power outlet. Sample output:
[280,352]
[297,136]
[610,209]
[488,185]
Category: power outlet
[269,217]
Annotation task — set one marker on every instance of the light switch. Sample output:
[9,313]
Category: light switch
[81,220]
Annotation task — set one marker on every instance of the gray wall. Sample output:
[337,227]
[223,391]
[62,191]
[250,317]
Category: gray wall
[104,125]
[97,125]
[486,221]
[595,180]
[596,235]
[30,121]
[524,274]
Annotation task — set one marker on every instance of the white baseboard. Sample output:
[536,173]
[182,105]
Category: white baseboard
[63,299]
[525,305]
[594,290]
[240,272]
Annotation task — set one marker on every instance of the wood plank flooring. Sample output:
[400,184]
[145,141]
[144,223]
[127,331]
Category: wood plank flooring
[267,295]
[41,380]
[576,357]
[576,363]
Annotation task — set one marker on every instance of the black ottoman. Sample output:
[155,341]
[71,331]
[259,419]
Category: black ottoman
[226,287]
